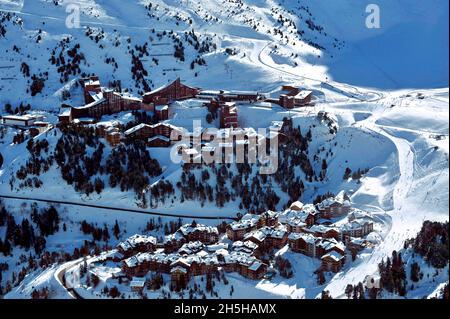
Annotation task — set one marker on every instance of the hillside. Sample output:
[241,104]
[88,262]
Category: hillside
[377,129]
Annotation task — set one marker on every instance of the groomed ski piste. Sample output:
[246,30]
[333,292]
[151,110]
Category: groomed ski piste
[399,130]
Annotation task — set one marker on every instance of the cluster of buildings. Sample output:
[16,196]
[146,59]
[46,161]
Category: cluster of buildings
[100,101]
[196,249]
[308,230]
[193,250]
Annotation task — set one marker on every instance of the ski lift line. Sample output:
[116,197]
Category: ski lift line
[130,210]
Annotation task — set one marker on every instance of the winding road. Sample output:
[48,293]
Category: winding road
[333,87]
[60,276]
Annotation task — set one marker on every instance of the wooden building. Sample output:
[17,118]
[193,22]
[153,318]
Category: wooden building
[162,112]
[334,207]
[228,115]
[332,261]
[294,97]
[158,141]
[174,91]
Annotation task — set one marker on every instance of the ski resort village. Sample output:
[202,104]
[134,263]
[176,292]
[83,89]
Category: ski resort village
[220,149]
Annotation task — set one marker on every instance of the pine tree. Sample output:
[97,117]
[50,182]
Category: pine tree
[116,230]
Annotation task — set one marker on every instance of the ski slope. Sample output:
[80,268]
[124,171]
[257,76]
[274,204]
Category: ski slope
[387,88]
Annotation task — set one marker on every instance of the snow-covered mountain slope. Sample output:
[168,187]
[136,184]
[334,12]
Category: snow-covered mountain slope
[274,41]
[387,89]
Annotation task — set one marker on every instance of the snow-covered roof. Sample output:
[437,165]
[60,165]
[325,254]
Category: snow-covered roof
[25,117]
[96,102]
[191,247]
[171,126]
[137,282]
[303,94]
[264,232]
[333,255]
[297,205]
[255,266]
[66,112]
[331,243]
[178,269]
[247,221]
[247,246]
[177,236]
[189,228]
[338,200]
[161,107]
[136,128]
[159,137]
[276,126]
[136,240]
[91,82]
[127,96]
[96,95]
[216,247]
[322,229]
[355,225]
[308,238]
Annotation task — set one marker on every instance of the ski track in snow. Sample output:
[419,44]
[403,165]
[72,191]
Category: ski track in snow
[405,218]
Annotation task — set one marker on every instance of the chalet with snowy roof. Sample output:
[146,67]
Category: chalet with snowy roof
[191,233]
[326,245]
[244,264]
[239,96]
[357,228]
[173,242]
[157,135]
[294,97]
[334,207]
[179,277]
[312,246]
[324,231]
[199,232]
[162,112]
[297,206]
[111,255]
[166,94]
[237,230]
[297,220]
[158,141]
[173,132]
[190,248]
[141,131]
[268,218]
[247,246]
[303,243]
[137,243]
[137,284]
[268,237]
[332,261]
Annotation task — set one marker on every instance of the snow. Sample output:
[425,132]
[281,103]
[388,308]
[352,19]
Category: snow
[386,90]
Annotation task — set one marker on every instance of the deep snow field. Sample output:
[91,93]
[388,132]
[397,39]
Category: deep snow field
[387,89]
